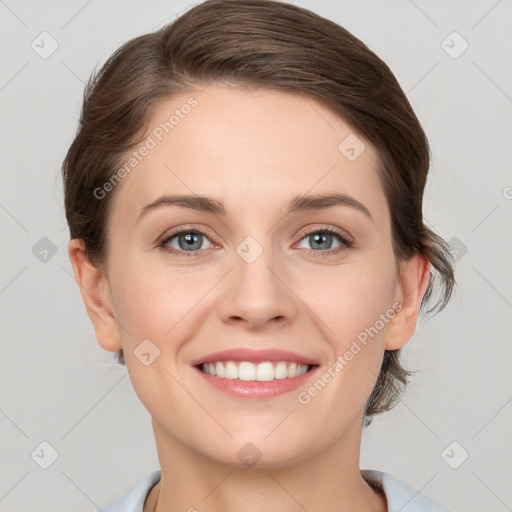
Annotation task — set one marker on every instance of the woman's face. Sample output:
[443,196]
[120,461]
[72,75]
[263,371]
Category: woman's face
[266,269]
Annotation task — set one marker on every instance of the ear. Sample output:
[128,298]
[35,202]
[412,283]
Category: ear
[411,286]
[96,294]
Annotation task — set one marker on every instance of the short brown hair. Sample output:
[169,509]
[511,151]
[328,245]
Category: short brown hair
[271,45]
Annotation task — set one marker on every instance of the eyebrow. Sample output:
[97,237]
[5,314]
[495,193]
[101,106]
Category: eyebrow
[300,203]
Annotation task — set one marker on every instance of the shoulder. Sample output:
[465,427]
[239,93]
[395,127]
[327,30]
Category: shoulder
[134,500]
[400,497]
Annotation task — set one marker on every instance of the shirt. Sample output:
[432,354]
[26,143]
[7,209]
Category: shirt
[400,497]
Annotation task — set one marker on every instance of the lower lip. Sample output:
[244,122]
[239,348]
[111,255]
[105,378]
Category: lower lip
[254,388]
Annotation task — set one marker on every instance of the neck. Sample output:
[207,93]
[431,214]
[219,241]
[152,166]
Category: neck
[329,481]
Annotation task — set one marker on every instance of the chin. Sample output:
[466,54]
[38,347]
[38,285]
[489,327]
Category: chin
[260,453]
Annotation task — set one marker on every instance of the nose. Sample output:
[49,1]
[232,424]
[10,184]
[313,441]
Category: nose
[259,292]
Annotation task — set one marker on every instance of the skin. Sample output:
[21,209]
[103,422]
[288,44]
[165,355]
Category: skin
[254,151]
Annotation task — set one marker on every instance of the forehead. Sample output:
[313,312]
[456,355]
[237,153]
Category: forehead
[248,149]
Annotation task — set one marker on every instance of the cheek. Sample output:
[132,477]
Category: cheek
[349,309]
[351,305]
[156,303]
[352,299]
[153,303]
[145,306]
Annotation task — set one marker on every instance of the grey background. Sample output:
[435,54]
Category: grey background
[58,386]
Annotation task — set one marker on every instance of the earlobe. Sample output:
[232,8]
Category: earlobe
[95,291]
[411,287]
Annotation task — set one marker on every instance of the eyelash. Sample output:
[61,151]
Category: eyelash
[346,242]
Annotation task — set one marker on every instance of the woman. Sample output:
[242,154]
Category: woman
[244,196]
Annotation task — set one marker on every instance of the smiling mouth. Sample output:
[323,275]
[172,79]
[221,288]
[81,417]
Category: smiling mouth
[262,372]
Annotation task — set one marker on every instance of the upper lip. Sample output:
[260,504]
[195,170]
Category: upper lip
[254,356]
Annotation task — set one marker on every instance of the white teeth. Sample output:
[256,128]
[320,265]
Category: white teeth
[219,369]
[246,371]
[231,370]
[301,370]
[280,371]
[265,372]
[262,372]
